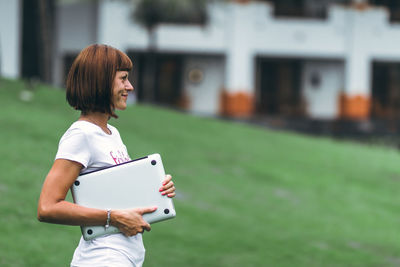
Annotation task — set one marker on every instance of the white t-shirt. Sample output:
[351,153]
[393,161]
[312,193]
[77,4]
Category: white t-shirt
[88,144]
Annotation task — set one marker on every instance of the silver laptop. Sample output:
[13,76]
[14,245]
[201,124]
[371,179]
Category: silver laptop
[128,185]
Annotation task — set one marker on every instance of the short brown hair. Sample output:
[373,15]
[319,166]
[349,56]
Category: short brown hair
[90,79]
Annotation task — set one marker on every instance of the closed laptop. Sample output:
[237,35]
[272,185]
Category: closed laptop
[128,185]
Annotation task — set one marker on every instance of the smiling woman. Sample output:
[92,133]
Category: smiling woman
[97,85]
[121,88]
[92,75]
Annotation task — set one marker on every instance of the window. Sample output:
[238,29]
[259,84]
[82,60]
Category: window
[304,8]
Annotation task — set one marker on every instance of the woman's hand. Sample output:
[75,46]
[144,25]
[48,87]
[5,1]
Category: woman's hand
[168,187]
[131,222]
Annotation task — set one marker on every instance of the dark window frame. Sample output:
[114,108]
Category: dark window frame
[303,9]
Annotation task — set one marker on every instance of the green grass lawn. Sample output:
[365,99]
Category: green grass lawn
[246,196]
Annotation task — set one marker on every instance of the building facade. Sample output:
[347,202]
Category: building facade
[314,59]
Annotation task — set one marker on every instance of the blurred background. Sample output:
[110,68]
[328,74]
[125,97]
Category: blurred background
[320,66]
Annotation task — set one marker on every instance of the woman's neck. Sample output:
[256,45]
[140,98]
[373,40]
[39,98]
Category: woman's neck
[98,118]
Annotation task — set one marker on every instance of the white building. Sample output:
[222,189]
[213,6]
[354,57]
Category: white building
[249,58]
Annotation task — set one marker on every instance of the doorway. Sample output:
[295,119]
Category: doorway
[385,90]
[279,87]
[164,71]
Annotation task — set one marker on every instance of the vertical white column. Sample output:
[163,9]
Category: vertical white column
[239,60]
[356,98]
[358,69]
[10,38]
[237,99]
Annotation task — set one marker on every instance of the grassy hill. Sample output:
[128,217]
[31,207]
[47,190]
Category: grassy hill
[246,196]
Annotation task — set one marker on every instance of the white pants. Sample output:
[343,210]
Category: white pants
[110,252]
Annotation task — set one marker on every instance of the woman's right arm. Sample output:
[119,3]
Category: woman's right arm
[53,207]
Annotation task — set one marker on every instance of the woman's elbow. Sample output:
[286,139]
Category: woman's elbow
[42,213]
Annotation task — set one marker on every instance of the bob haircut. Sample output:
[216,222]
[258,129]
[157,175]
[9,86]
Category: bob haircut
[90,79]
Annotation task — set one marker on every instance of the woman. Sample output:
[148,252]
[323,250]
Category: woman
[97,85]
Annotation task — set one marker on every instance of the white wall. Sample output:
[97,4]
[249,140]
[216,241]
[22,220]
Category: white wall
[204,95]
[210,38]
[76,25]
[322,100]
[10,38]
[116,27]
[76,28]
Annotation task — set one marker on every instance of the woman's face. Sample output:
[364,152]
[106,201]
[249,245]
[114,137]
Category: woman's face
[121,87]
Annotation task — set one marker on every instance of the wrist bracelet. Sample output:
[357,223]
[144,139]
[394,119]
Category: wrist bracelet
[108,219]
